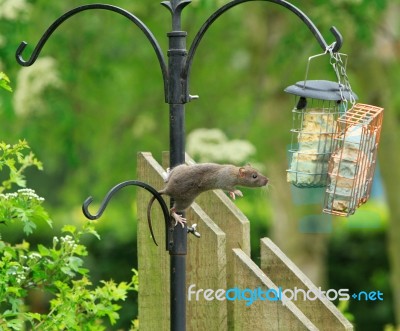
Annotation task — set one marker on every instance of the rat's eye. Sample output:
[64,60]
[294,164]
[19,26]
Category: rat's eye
[254,176]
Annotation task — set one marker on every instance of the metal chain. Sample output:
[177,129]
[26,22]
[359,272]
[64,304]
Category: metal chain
[340,69]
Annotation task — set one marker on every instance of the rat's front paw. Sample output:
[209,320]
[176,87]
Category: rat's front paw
[235,193]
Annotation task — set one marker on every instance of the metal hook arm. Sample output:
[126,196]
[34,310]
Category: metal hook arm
[338,38]
[196,41]
[115,189]
[67,15]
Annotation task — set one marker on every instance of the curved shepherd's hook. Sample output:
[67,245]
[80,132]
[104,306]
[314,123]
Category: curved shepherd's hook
[199,36]
[115,189]
[77,10]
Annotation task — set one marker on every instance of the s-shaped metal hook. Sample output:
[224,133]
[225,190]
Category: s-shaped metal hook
[115,189]
[149,35]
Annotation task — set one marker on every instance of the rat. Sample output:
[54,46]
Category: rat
[185,182]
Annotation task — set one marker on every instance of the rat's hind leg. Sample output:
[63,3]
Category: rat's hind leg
[178,218]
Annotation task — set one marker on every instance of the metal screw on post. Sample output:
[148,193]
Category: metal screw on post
[176,74]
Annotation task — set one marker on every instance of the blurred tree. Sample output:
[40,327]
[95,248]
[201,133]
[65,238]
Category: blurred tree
[386,71]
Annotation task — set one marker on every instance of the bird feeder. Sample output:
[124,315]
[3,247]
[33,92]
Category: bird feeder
[352,163]
[318,104]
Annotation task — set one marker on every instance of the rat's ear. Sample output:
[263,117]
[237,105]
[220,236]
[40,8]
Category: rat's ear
[242,172]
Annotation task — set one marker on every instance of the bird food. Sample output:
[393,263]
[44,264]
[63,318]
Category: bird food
[352,164]
[312,143]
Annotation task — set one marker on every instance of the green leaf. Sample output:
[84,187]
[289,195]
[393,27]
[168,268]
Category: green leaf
[15,324]
[89,227]
[5,82]
[75,263]
[44,251]
[29,227]
[67,270]
[34,316]
[69,228]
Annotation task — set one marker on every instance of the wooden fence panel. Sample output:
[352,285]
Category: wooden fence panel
[262,315]
[206,262]
[220,260]
[153,261]
[206,269]
[283,272]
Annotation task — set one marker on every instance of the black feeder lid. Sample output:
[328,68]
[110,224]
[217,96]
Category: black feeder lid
[320,89]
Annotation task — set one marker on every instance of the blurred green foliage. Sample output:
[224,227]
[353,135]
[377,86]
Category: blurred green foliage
[95,98]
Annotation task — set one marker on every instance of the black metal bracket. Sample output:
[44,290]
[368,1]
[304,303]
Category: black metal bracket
[67,15]
[199,36]
[175,8]
[115,189]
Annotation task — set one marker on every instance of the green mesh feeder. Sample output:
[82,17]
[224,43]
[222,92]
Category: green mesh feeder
[318,104]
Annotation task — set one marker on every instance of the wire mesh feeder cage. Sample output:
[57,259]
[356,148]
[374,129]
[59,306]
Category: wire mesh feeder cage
[352,163]
[318,104]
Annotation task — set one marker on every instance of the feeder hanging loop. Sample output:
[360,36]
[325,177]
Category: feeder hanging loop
[330,48]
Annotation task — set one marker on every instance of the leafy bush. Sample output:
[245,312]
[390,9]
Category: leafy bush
[56,270]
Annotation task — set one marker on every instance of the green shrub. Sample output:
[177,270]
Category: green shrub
[56,270]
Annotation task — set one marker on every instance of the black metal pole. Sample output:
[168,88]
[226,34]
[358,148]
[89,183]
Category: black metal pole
[178,247]
[177,55]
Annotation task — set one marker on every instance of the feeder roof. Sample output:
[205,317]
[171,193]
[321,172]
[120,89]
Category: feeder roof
[320,89]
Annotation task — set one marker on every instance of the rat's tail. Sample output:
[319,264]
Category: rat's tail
[149,216]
